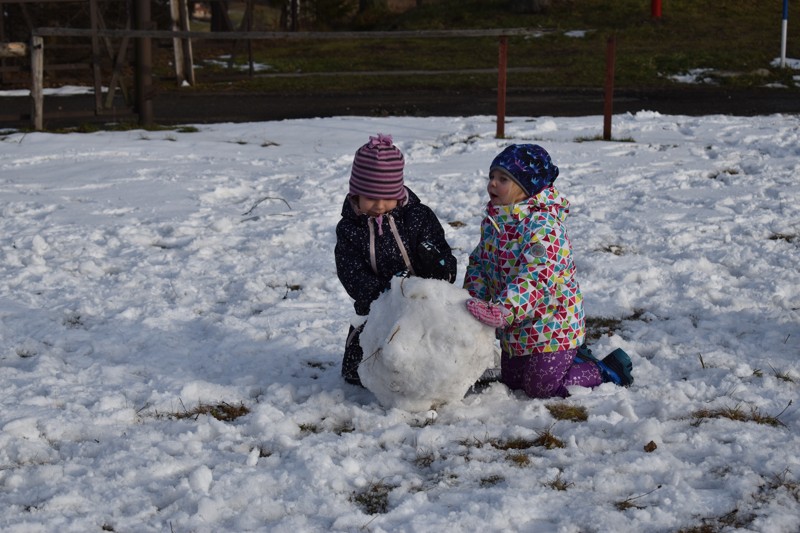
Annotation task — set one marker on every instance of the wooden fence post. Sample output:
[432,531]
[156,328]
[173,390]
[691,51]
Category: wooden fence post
[609,92]
[144,66]
[98,85]
[37,73]
[502,64]
[182,48]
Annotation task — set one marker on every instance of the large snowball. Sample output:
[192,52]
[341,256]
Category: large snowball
[422,348]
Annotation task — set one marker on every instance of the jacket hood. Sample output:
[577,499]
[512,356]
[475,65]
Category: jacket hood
[549,200]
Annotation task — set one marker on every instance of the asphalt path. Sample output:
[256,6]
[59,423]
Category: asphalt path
[191,107]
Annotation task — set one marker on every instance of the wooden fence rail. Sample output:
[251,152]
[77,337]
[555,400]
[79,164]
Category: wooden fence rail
[300,35]
[144,68]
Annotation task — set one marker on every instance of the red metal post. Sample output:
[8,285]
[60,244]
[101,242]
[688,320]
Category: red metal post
[609,92]
[655,8]
[502,63]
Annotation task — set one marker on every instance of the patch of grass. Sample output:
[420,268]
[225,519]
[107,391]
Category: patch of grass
[615,249]
[558,483]
[737,519]
[546,439]
[424,459]
[566,411]
[600,138]
[734,41]
[374,499]
[723,173]
[629,503]
[722,523]
[124,126]
[490,481]
[73,321]
[738,414]
[782,482]
[597,327]
[263,452]
[516,443]
[788,237]
[520,460]
[782,375]
[222,411]
[514,447]
[471,442]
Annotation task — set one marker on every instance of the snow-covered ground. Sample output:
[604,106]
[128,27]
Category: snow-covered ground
[145,274]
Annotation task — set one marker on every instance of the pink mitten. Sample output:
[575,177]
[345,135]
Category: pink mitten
[487,312]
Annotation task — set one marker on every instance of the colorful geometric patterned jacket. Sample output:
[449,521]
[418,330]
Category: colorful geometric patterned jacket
[524,264]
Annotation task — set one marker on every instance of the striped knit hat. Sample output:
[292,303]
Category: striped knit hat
[378,170]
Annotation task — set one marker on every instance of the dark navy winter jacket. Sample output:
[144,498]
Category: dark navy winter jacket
[415,222]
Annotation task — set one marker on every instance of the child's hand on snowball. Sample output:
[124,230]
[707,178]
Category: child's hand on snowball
[486,312]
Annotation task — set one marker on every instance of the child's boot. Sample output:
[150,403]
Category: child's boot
[489,376]
[585,355]
[616,367]
[352,358]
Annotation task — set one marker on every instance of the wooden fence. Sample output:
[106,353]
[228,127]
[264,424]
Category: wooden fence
[31,14]
[143,37]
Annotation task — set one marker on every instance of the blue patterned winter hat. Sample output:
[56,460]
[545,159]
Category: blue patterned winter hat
[529,165]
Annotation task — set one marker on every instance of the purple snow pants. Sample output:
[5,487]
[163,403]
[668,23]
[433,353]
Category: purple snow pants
[546,375]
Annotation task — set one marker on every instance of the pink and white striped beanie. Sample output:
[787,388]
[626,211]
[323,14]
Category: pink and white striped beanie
[378,170]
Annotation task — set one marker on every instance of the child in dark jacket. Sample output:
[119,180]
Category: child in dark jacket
[522,279]
[385,231]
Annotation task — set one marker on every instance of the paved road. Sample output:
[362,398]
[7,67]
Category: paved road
[176,107]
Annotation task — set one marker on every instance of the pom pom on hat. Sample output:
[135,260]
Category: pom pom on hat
[378,170]
[529,165]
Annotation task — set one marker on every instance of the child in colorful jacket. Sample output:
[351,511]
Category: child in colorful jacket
[385,231]
[522,280]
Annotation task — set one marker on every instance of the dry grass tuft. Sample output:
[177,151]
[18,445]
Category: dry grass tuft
[547,440]
[490,481]
[558,483]
[516,443]
[221,411]
[565,411]
[374,499]
[519,459]
[628,503]
[738,414]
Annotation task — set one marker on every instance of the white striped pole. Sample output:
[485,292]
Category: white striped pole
[784,27]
